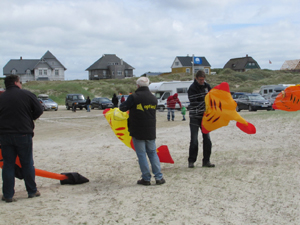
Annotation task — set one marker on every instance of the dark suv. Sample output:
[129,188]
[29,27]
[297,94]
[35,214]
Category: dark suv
[75,99]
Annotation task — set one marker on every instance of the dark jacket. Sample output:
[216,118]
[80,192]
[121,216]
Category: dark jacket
[18,109]
[88,101]
[115,100]
[142,115]
[196,94]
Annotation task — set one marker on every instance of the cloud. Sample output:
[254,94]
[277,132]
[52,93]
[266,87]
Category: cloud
[148,35]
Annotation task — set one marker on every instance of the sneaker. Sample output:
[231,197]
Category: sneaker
[36,194]
[143,182]
[191,165]
[183,119]
[161,181]
[208,164]
[8,200]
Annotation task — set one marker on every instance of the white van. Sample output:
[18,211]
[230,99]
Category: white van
[267,90]
[162,90]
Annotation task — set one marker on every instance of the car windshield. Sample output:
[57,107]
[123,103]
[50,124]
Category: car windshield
[48,100]
[159,94]
[104,100]
[256,97]
[80,97]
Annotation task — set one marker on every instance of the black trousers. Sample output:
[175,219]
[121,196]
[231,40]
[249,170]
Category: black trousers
[195,125]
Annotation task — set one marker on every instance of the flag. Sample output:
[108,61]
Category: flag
[270,62]
[197,60]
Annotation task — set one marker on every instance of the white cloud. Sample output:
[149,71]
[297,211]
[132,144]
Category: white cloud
[149,34]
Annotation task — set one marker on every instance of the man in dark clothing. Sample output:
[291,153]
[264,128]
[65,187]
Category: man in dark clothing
[115,100]
[196,94]
[142,128]
[18,109]
[88,104]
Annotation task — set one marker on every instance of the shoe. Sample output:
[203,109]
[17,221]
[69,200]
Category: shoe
[183,119]
[172,119]
[36,194]
[168,120]
[208,164]
[8,200]
[161,181]
[191,165]
[143,182]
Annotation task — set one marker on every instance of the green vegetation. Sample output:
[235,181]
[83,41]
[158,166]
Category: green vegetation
[249,81]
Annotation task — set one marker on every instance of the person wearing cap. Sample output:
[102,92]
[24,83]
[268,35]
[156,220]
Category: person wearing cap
[171,103]
[142,128]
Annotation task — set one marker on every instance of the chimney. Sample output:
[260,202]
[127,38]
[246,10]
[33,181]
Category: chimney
[246,55]
[20,57]
[122,62]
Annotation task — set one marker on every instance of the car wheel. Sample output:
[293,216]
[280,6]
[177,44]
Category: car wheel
[80,108]
[161,108]
[238,109]
[100,107]
[56,109]
[92,107]
[250,108]
[68,107]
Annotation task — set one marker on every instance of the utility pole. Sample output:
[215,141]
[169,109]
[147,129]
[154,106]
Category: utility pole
[193,67]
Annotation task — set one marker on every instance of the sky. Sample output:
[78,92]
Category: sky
[149,34]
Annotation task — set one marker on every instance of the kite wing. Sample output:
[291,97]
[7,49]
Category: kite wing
[65,178]
[220,109]
[118,123]
[288,100]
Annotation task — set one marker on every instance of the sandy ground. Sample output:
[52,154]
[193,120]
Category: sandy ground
[256,179]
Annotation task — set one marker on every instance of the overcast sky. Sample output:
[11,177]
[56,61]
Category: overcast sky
[149,34]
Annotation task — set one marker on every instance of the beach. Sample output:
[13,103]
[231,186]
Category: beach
[256,179]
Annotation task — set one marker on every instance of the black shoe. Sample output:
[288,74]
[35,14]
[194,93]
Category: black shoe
[191,165]
[36,194]
[143,182]
[172,119]
[8,200]
[183,119]
[161,181]
[208,164]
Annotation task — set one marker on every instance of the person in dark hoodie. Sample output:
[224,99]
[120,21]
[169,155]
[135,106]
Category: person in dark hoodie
[115,100]
[142,127]
[18,110]
[196,93]
[171,103]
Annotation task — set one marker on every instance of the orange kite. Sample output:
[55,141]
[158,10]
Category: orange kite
[118,123]
[220,108]
[289,99]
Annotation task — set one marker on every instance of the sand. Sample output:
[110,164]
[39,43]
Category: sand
[256,179]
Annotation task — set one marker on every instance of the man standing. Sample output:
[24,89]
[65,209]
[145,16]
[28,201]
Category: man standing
[171,103]
[196,93]
[18,109]
[88,104]
[142,127]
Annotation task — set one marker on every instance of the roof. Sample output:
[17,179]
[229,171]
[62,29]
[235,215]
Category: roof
[186,61]
[291,65]
[151,74]
[103,62]
[239,63]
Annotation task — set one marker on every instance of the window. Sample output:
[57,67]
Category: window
[187,70]
[176,63]
[265,91]
[56,72]
[45,72]
[13,71]
[206,71]
[181,90]
[119,73]
[126,73]
[270,90]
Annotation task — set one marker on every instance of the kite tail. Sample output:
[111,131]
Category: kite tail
[164,154]
[248,128]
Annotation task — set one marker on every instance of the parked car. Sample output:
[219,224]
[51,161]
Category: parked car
[75,99]
[252,102]
[48,104]
[236,95]
[101,103]
[273,97]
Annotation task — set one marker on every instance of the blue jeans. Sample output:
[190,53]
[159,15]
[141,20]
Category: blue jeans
[88,108]
[14,145]
[143,147]
[195,124]
[173,113]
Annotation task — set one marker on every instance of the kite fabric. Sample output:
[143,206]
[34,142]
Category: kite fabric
[220,108]
[65,178]
[118,123]
[289,99]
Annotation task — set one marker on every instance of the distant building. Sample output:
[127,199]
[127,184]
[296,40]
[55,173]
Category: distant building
[291,65]
[184,64]
[44,69]
[242,64]
[109,66]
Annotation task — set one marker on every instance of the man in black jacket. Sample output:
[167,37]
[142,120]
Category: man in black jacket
[196,94]
[18,109]
[142,128]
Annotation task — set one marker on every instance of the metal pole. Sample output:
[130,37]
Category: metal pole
[193,67]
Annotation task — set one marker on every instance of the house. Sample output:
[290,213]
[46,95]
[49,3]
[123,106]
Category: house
[109,66]
[242,64]
[185,64]
[291,65]
[44,69]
